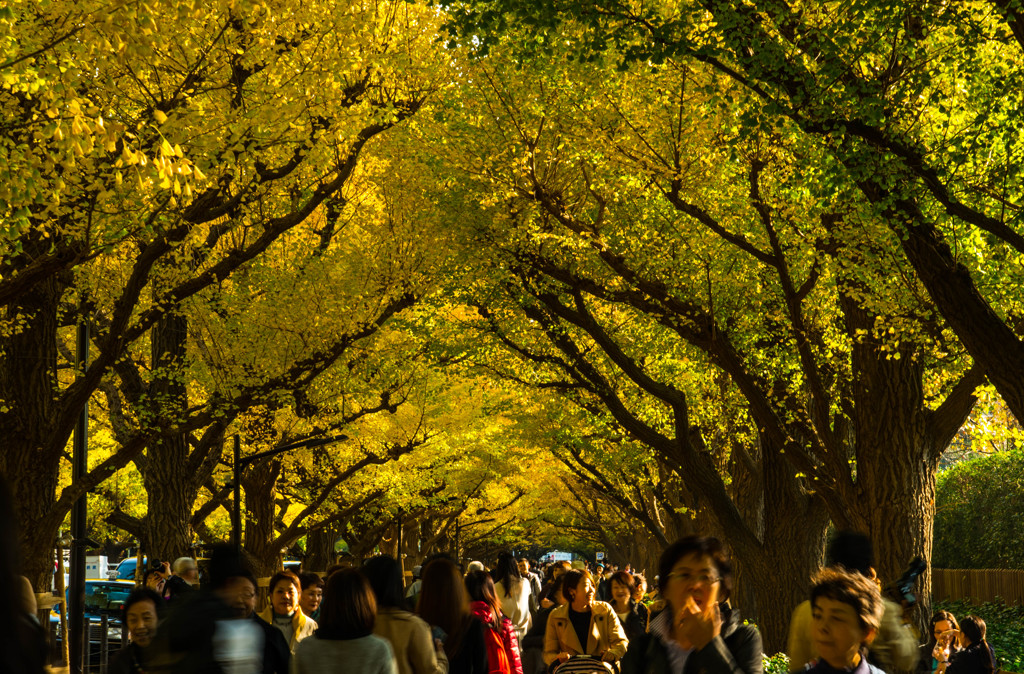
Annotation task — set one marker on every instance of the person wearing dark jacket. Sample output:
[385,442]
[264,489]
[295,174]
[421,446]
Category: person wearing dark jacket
[444,605]
[140,614]
[22,638]
[210,631]
[977,657]
[533,642]
[633,616]
[276,655]
[697,632]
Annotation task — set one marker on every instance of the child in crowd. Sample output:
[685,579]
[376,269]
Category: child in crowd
[846,610]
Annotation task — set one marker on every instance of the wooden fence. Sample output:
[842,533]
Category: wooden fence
[978,585]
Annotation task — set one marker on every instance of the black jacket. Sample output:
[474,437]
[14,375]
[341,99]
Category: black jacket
[471,657]
[977,658]
[276,655]
[737,650]
[636,622]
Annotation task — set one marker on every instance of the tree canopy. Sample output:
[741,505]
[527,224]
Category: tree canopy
[590,274]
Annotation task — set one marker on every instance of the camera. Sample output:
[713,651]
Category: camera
[902,589]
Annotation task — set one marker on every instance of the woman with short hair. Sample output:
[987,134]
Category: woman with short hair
[697,631]
[583,626]
[312,594]
[344,642]
[283,610]
[633,616]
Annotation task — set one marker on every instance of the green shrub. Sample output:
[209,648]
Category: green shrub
[979,505]
[1005,629]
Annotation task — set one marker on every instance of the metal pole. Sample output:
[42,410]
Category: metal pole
[236,511]
[79,467]
[401,544]
[104,643]
[62,590]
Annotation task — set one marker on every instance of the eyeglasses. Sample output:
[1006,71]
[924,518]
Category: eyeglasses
[701,578]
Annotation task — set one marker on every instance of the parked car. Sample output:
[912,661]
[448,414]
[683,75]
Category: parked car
[102,598]
[126,569]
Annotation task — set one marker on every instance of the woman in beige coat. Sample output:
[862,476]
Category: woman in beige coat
[583,626]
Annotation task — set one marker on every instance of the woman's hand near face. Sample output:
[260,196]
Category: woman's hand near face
[697,627]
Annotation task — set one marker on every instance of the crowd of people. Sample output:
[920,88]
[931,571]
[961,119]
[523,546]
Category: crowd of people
[515,618]
[522,618]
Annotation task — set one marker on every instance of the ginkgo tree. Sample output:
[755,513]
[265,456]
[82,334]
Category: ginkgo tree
[152,151]
[639,228]
[917,105]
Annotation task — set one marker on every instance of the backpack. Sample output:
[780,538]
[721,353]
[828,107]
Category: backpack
[497,657]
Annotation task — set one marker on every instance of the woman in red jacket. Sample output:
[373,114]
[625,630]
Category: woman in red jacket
[499,633]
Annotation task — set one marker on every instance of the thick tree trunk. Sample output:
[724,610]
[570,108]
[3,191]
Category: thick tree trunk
[169,482]
[28,388]
[320,548]
[898,444]
[896,460]
[170,497]
[260,486]
[777,573]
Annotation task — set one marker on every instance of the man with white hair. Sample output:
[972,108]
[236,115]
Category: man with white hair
[186,569]
[184,575]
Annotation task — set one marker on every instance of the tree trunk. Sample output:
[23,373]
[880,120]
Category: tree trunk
[320,548]
[170,499]
[898,444]
[170,487]
[777,573]
[28,386]
[260,486]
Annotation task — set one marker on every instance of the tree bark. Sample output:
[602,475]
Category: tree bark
[29,385]
[170,488]
[260,484]
[898,443]
[320,547]
[777,573]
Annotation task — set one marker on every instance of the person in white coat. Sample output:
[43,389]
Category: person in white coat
[513,593]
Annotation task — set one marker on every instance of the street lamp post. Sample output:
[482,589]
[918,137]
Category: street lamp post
[63,543]
[240,463]
[79,467]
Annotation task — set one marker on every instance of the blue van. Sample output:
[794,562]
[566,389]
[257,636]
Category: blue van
[126,569]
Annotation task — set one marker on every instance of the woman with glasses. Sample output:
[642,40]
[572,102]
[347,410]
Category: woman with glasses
[583,626]
[697,631]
